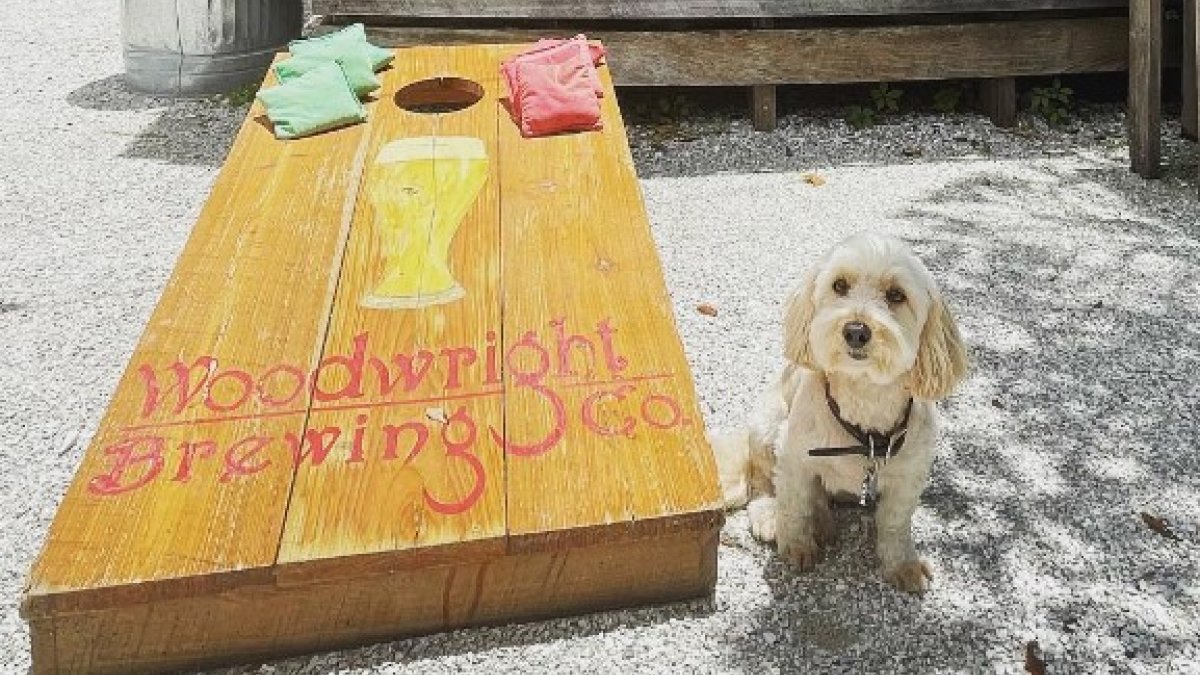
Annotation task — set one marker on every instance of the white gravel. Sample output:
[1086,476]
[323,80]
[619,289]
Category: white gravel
[1077,284]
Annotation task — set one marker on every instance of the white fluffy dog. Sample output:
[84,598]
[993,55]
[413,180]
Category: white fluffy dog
[872,346]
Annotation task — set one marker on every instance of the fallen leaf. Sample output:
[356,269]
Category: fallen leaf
[706,309]
[814,179]
[1159,526]
[1033,659]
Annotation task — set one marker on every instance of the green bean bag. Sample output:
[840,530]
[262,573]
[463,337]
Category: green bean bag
[319,100]
[340,42]
[356,65]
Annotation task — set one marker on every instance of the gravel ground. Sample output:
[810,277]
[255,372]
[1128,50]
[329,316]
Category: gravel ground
[1076,283]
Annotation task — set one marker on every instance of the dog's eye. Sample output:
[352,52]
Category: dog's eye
[841,287]
[895,296]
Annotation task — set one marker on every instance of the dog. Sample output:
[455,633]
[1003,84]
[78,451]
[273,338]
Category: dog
[871,345]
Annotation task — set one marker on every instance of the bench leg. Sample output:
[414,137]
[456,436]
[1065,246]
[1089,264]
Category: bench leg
[762,103]
[999,99]
[1189,119]
[1192,47]
[762,97]
[1145,85]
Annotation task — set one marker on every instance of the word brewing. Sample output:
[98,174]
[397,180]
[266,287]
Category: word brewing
[443,410]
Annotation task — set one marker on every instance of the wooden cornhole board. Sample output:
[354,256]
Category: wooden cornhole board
[350,418]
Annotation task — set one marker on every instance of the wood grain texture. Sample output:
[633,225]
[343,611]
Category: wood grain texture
[251,288]
[684,9]
[632,447]
[261,622]
[833,55]
[409,495]
[998,97]
[1145,86]
[1189,120]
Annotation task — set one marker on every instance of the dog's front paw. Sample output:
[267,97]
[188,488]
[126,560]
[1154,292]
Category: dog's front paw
[803,553]
[911,576]
[762,519]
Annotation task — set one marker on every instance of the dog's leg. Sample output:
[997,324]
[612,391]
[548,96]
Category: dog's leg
[798,492]
[825,531]
[902,567]
[762,513]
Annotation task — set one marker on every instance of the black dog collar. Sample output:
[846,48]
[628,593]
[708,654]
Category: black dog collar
[871,443]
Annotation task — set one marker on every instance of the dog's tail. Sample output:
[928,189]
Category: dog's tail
[732,452]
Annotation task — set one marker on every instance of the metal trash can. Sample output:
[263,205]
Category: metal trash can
[195,47]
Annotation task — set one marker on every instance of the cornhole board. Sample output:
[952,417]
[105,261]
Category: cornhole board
[407,376]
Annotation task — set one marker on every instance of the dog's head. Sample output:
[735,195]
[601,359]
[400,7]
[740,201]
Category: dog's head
[871,308]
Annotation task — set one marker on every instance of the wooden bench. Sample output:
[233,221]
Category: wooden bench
[763,44]
[411,375]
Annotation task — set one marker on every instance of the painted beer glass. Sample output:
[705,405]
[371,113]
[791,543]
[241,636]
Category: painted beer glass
[421,189]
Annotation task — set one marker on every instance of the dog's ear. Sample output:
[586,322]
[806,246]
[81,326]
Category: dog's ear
[941,357]
[797,322]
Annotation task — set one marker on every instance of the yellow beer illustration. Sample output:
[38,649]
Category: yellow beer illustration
[421,188]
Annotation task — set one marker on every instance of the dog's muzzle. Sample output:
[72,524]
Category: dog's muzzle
[857,334]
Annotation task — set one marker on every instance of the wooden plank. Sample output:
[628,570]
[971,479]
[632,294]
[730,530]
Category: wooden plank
[1145,86]
[413,481]
[999,99]
[684,9]
[167,498]
[601,420]
[255,623]
[1190,120]
[833,55]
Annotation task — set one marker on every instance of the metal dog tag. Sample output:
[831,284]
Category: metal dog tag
[869,490]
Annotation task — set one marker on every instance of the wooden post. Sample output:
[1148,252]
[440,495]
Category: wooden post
[1189,117]
[762,97]
[1145,84]
[1192,84]
[999,99]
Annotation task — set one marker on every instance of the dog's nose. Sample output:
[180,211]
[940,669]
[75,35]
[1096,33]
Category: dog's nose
[856,334]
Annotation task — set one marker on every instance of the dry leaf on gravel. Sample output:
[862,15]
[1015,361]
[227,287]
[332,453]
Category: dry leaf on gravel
[813,179]
[1033,659]
[1159,525]
[706,309]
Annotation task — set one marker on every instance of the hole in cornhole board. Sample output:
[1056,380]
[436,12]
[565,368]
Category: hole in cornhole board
[439,95]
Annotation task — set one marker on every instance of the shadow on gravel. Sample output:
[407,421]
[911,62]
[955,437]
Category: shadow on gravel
[1088,340]
[192,132]
[112,93]
[187,130]
[816,139]
[1083,313]
[465,642]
